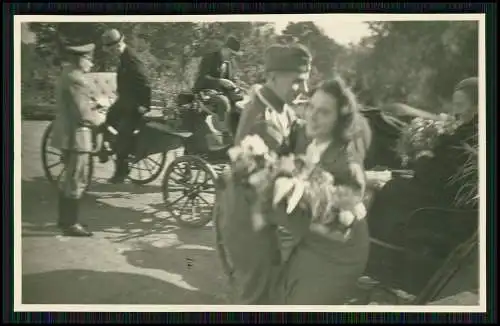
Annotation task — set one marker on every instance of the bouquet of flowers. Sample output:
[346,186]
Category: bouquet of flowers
[298,181]
[420,136]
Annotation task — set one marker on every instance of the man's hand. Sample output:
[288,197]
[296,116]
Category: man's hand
[226,83]
[142,109]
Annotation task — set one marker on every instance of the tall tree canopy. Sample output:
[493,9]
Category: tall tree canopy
[416,62]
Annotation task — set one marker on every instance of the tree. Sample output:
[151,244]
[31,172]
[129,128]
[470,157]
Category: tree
[323,49]
[416,62]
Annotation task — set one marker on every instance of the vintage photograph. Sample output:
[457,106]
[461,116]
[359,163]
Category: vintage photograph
[269,160]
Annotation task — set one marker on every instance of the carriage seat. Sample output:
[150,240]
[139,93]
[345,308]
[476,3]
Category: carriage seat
[102,85]
[185,97]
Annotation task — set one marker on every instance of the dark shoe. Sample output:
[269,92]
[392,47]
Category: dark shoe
[76,230]
[103,156]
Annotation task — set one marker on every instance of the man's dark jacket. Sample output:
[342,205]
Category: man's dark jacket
[211,65]
[133,86]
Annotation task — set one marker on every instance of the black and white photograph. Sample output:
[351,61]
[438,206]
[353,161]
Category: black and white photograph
[319,162]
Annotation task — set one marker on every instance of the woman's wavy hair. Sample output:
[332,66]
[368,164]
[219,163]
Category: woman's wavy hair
[351,125]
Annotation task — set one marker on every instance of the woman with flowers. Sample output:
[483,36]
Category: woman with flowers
[330,254]
[434,166]
[316,193]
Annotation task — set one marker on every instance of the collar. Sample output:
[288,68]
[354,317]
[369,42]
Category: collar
[271,98]
[316,150]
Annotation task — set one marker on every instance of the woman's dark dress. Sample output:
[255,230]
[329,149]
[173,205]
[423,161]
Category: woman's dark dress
[430,187]
[321,271]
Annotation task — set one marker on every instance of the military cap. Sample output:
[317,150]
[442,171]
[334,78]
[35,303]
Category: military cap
[288,57]
[80,50]
[111,37]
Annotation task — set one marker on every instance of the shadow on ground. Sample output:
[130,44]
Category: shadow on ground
[132,234]
[104,288]
[125,211]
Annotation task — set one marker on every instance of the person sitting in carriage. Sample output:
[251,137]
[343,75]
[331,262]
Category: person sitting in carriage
[432,184]
[134,99]
[216,78]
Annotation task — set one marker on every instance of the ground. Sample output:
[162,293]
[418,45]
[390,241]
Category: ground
[137,256]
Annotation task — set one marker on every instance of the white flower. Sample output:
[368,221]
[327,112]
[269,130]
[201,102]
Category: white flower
[360,211]
[234,153]
[346,218]
[255,145]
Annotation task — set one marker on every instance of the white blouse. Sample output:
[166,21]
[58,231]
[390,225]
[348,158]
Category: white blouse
[315,150]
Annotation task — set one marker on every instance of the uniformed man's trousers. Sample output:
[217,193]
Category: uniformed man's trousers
[72,184]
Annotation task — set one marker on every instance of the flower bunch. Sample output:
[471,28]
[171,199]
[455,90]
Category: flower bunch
[296,180]
[419,138]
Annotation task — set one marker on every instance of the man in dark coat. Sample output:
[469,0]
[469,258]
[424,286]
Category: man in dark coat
[134,99]
[216,72]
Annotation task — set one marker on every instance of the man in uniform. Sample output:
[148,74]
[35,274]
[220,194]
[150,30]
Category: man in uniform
[72,134]
[134,99]
[255,256]
[216,73]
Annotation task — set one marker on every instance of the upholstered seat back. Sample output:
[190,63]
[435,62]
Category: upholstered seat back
[103,85]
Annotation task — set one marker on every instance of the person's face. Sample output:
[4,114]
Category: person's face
[321,115]
[462,105]
[291,85]
[113,50]
[86,64]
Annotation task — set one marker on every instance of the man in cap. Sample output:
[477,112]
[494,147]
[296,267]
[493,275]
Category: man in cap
[216,73]
[134,99]
[72,133]
[288,68]
[255,256]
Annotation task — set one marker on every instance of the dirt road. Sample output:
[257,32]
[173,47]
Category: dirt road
[138,255]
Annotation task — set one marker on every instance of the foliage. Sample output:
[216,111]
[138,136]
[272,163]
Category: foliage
[414,62]
[467,175]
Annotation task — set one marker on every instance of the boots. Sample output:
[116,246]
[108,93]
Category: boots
[68,218]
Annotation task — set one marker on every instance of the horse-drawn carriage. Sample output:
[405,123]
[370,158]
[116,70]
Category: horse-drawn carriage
[189,177]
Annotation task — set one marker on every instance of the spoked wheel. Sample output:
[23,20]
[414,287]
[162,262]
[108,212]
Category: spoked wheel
[189,191]
[147,169]
[52,160]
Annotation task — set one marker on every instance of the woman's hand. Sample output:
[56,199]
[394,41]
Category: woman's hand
[335,235]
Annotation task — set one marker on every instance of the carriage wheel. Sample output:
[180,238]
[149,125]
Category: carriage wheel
[52,163]
[189,190]
[147,169]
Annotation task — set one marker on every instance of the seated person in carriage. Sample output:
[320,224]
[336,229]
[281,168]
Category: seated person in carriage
[134,100]
[433,182]
[216,79]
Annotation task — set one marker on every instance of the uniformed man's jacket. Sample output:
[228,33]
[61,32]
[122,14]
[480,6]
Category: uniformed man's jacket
[75,114]
[263,108]
[133,85]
